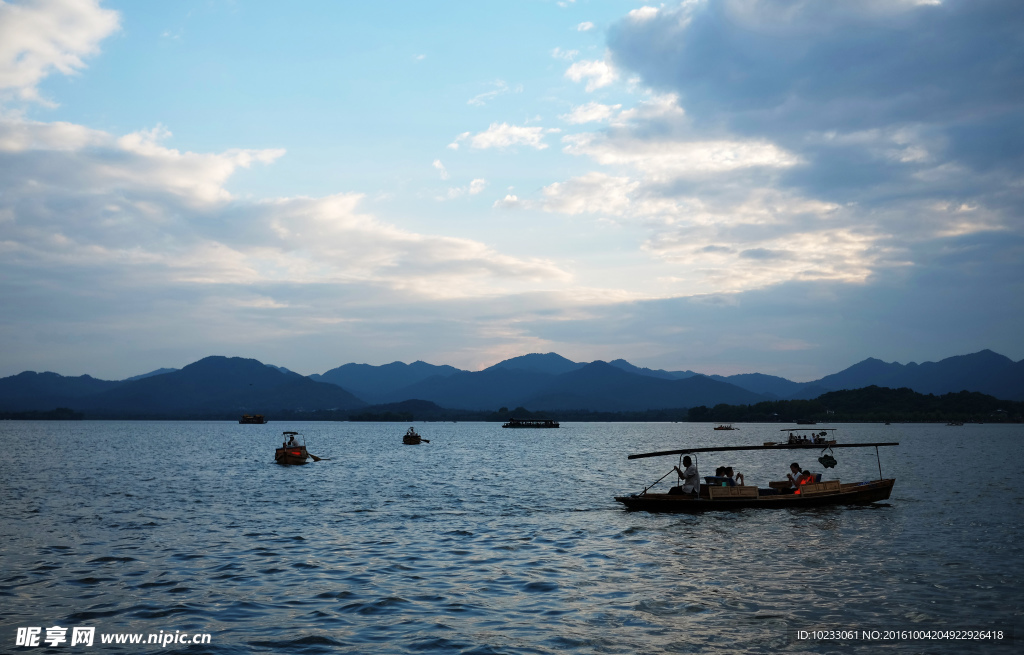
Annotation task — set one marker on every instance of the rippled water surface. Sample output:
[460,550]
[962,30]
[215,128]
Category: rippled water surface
[495,541]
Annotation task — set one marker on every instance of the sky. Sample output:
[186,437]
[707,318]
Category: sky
[725,186]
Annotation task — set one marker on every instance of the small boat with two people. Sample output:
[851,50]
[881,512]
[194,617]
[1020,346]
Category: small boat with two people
[722,493]
[531,423]
[293,453]
[412,438]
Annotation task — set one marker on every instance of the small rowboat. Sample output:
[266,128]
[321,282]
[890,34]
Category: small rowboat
[411,438]
[715,498]
[291,455]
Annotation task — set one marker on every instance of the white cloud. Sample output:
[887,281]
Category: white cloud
[597,73]
[474,187]
[84,200]
[595,193]
[664,159]
[656,108]
[590,113]
[503,135]
[585,26]
[643,14]
[440,168]
[50,35]
[454,145]
[567,55]
[510,201]
[500,88]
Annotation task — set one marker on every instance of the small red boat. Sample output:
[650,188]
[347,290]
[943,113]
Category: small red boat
[291,452]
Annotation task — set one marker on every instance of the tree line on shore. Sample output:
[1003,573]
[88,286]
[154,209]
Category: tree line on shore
[868,405]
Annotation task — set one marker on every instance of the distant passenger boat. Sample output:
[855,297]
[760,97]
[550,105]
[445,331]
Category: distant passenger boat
[725,427]
[412,438]
[531,423]
[252,418]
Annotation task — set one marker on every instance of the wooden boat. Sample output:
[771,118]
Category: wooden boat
[725,427]
[531,423]
[804,436]
[411,438]
[716,498]
[291,455]
[256,419]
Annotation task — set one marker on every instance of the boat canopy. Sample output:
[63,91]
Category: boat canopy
[784,446]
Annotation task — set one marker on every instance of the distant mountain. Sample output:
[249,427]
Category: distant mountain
[31,391]
[654,373]
[550,363]
[222,386]
[986,372]
[600,386]
[283,370]
[375,384]
[159,371]
[490,388]
[217,386]
[767,385]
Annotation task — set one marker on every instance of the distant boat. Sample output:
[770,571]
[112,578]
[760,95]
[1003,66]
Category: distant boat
[804,421]
[531,423]
[293,454]
[826,437]
[411,438]
[252,419]
[955,423]
[725,427]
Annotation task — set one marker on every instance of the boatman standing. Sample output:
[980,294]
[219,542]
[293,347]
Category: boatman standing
[691,479]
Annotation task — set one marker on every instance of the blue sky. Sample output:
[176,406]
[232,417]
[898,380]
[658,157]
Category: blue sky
[725,186]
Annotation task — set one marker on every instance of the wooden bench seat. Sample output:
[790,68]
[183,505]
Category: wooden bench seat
[732,492]
[820,488]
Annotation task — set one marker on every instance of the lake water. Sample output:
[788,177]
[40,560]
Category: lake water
[496,541]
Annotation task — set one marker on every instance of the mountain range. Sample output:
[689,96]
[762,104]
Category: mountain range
[219,386]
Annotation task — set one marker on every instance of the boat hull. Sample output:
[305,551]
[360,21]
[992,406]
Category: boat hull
[850,494]
[293,456]
[412,441]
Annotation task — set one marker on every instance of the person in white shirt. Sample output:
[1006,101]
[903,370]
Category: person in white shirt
[691,479]
[795,476]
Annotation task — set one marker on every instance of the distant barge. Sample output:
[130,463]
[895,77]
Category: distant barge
[252,419]
[531,423]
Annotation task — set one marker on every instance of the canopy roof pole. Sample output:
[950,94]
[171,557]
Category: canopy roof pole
[879,463]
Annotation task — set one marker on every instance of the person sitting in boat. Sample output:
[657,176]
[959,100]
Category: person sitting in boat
[794,476]
[691,478]
[734,479]
[292,443]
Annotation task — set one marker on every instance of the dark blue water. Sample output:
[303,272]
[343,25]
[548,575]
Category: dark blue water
[495,541]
